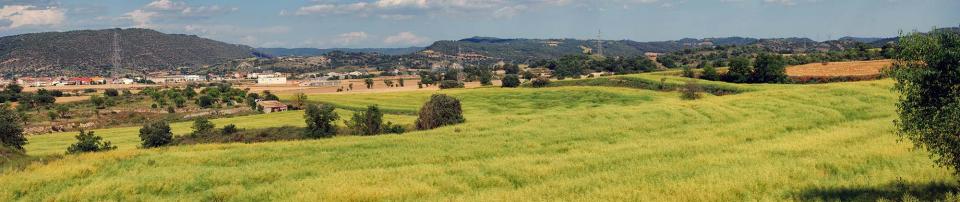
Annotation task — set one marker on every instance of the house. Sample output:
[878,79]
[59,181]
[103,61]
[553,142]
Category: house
[270,106]
[98,80]
[126,81]
[272,80]
[79,81]
[194,78]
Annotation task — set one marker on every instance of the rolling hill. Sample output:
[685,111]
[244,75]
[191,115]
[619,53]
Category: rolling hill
[320,51]
[94,52]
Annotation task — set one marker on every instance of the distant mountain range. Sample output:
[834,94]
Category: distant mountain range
[320,51]
[100,52]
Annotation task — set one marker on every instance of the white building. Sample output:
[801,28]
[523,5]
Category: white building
[272,80]
[193,78]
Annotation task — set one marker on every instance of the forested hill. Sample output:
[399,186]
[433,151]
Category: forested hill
[319,51]
[535,49]
[88,52]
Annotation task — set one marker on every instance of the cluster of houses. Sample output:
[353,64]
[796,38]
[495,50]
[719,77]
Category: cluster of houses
[63,81]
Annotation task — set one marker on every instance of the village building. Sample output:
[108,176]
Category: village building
[270,106]
[272,80]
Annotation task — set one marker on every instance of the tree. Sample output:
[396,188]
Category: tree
[400,81]
[740,70]
[267,95]
[11,128]
[251,100]
[511,69]
[441,110]
[510,81]
[367,122]
[88,142]
[320,121]
[202,126]
[63,111]
[769,68]
[180,101]
[388,82]
[299,100]
[486,77]
[540,82]
[927,72]
[369,82]
[155,134]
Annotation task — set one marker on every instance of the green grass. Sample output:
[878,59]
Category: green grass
[772,143]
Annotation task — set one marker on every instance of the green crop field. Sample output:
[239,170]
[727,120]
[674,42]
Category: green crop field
[571,143]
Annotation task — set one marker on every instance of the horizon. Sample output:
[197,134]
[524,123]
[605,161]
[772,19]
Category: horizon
[404,24]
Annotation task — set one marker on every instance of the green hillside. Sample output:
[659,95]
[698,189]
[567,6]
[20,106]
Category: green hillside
[579,143]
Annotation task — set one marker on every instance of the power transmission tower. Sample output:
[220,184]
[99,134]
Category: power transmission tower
[116,51]
[599,43]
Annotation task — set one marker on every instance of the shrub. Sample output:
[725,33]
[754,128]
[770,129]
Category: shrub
[445,84]
[925,69]
[111,92]
[230,129]
[769,68]
[11,128]
[441,110]
[510,81]
[320,121]
[687,72]
[205,101]
[368,82]
[89,90]
[88,142]
[202,126]
[368,122]
[393,128]
[171,110]
[155,134]
[540,82]
[710,72]
[690,91]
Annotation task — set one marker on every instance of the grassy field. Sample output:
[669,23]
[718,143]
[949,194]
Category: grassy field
[573,143]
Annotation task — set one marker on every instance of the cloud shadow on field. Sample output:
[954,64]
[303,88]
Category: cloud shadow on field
[931,191]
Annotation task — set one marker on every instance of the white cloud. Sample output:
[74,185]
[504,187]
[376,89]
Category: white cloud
[405,9]
[351,37]
[509,11]
[140,18]
[169,10]
[405,38]
[16,16]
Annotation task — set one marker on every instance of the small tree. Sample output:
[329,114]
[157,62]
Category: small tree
[88,142]
[63,111]
[320,121]
[155,134]
[202,126]
[441,110]
[510,81]
[400,81]
[205,101]
[926,70]
[11,128]
[687,72]
[369,83]
[388,82]
[769,68]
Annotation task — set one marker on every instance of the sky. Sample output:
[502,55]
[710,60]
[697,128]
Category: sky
[406,23]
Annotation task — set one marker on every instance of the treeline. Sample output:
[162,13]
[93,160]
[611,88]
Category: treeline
[722,55]
[574,66]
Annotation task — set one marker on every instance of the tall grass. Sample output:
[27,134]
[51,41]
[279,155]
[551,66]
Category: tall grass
[776,142]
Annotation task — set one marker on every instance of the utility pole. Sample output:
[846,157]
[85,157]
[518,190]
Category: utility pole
[599,43]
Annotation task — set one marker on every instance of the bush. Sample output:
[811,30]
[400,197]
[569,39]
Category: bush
[368,122]
[445,84]
[111,92]
[88,142]
[230,129]
[687,72]
[927,78]
[690,91]
[769,68]
[510,81]
[155,134]
[205,101]
[320,121]
[540,82]
[441,110]
[393,128]
[11,129]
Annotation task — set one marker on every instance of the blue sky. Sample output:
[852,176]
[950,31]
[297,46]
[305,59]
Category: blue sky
[404,23]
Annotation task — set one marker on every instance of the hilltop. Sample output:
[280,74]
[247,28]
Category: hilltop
[94,51]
